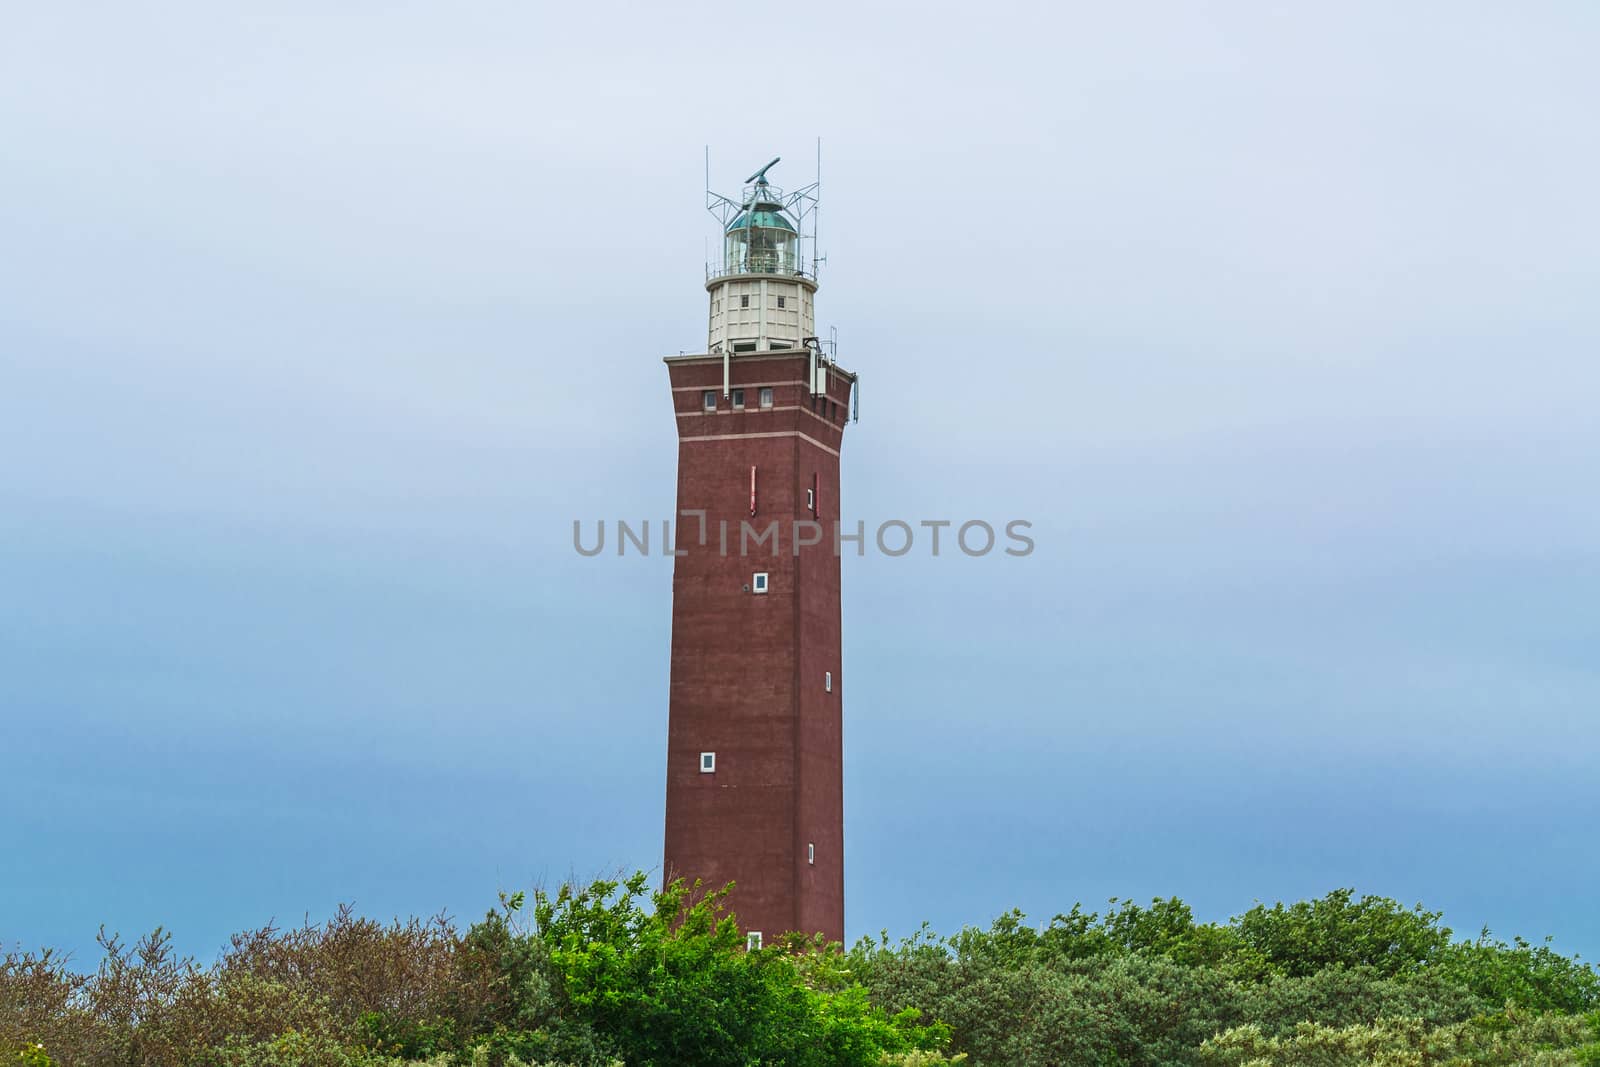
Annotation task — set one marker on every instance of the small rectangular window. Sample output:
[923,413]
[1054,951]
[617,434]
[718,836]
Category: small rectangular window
[811,853]
[780,301]
[811,501]
[708,399]
[766,398]
[827,681]
[758,582]
[708,762]
[752,940]
[738,398]
[744,301]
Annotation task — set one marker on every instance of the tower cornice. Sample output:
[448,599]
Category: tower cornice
[745,359]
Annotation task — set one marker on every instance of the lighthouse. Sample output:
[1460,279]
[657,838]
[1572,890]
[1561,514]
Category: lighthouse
[755,784]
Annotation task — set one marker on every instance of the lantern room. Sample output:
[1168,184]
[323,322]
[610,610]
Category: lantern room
[760,240]
[762,296]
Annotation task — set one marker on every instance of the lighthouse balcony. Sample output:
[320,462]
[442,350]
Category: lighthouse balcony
[770,267]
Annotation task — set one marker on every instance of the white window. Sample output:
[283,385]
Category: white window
[708,399]
[738,398]
[752,940]
[758,582]
[827,681]
[811,500]
[811,853]
[708,762]
[766,398]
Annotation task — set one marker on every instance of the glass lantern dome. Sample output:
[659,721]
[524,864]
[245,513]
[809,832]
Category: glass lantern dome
[761,240]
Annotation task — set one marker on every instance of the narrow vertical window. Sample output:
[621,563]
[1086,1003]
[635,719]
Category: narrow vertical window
[708,762]
[708,400]
[780,301]
[827,681]
[811,853]
[752,492]
[752,940]
[744,301]
[766,397]
[738,399]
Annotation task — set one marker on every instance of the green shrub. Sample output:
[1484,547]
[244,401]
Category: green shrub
[1338,930]
[1523,1040]
[1531,976]
[671,983]
[612,973]
[33,1055]
[1342,996]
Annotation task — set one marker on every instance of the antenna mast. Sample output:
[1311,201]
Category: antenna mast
[816,211]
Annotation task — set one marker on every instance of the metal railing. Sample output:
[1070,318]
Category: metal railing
[789,268]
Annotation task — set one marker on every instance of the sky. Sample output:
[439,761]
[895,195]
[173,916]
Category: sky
[318,330]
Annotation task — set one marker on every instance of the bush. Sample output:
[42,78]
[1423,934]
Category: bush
[1149,985]
[1509,1039]
[1530,976]
[611,973]
[1303,938]
[1341,996]
[672,984]
[33,1055]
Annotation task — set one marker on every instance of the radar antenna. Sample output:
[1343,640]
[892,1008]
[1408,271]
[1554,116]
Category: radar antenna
[760,176]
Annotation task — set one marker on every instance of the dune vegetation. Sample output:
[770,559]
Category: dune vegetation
[612,973]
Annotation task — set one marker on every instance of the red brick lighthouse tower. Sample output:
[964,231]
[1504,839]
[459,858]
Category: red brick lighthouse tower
[755,789]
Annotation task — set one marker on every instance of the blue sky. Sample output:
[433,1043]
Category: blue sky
[318,330]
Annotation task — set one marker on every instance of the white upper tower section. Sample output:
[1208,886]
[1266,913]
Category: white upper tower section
[763,296]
